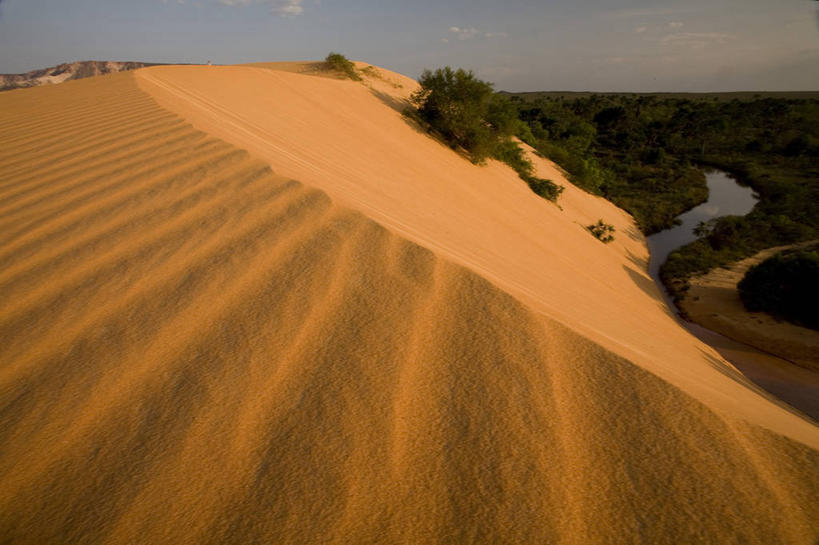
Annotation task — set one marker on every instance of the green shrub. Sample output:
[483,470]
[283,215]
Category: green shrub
[468,114]
[339,63]
[371,71]
[786,286]
[584,172]
[464,110]
[602,231]
[545,188]
[508,151]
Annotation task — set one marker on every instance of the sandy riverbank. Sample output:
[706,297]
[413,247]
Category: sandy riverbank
[714,302]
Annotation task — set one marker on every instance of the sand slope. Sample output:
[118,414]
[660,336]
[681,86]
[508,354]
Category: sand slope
[196,350]
[347,139]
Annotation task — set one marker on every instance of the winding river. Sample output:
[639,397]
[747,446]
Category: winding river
[790,383]
[725,198]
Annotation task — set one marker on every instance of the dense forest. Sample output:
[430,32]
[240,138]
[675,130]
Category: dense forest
[646,153]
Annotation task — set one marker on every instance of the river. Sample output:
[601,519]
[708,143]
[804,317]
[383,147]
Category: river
[725,198]
[790,383]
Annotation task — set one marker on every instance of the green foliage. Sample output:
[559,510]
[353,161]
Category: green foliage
[468,114]
[602,231]
[613,147]
[785,285]
[464,110]
[545,188]
[645,153]
[510,152]
[371,71]
[339,63]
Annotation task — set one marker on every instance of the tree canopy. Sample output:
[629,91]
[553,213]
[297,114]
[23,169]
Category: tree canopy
[785,285]
[468,114]
[465,110]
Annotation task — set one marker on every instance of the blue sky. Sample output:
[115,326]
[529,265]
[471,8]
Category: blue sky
[617,45]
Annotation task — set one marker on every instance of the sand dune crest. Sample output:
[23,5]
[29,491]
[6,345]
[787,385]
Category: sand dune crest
[197,350]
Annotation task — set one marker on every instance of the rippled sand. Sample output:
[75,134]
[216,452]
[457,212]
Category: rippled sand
[377,343]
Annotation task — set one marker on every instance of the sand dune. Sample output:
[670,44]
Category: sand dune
[348,140]
[194,349]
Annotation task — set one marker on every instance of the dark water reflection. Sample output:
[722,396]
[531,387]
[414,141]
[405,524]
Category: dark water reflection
[794,385]
[725,198]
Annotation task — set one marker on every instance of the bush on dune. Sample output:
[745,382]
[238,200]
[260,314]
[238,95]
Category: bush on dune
[339,63]
[456,105]
[602,231]
[508,151]
[466,113]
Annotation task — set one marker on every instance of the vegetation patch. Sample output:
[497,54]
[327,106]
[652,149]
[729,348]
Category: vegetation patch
[614,147]
[373,72]
[508,151]
[786,286]
[467,114]
[646,153]
[337,62]
[602,231]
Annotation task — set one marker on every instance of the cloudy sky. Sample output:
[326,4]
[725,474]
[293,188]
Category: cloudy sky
[604,45]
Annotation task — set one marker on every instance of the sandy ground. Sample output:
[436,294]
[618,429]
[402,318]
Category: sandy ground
[399,347]
[714,302]
[348,140]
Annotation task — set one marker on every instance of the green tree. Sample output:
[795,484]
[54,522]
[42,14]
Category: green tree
[464,110]
[784,285]
[467,113]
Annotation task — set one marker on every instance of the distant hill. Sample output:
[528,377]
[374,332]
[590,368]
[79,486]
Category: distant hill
[64,72]
[738,95]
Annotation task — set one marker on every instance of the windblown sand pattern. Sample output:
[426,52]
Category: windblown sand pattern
[196,350]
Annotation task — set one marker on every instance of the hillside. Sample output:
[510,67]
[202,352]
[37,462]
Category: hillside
[66,72]
[742,96]
[252,304]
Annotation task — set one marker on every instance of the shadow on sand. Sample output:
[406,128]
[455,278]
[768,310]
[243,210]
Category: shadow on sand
[649,288]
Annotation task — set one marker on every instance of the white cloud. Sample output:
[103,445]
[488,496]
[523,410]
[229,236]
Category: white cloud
[469,33]
[645,13]
[283,8]
[696,40]
[675,24]
[464,33]
[640,29]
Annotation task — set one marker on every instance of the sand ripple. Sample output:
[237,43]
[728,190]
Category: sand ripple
[195,350]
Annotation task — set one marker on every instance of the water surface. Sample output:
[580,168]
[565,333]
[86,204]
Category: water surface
[725,198]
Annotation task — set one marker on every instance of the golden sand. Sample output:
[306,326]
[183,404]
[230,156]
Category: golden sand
[399,347]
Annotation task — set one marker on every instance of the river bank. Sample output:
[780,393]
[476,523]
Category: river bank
[725,198]
[713,301]
[797,386]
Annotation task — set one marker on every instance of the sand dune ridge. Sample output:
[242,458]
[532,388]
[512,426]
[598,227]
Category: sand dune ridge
[195,349]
